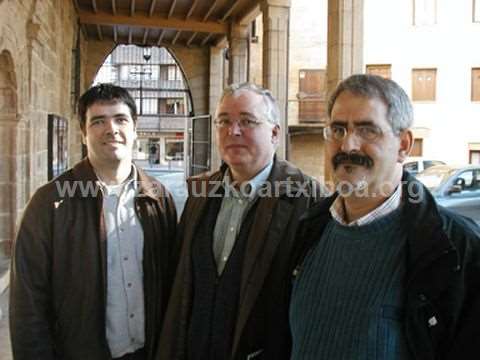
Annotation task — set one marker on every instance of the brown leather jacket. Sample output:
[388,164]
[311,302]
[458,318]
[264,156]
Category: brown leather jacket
[58,278]
[261,330]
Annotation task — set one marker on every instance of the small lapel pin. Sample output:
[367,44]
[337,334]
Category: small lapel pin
[432,321]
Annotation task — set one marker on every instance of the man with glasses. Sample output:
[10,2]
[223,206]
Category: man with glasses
[230,295]
[382,271]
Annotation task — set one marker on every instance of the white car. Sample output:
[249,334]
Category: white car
[415,165]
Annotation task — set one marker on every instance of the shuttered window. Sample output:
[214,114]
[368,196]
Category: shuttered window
[424,84]
[311,95]
[476,11]
[424,12]
[417,149]
[476,84]
[384,70]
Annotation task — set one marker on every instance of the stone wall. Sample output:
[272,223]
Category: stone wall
[36,42]
[307,151]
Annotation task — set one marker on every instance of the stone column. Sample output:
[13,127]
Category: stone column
[345,46]
[345,40]
[215,91]
[238,62]
[276,17]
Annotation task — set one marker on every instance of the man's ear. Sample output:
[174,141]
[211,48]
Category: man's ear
[406,145]
[275,134]
[84,141]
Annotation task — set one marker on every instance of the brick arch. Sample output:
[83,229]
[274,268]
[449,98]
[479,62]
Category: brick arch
[8,153]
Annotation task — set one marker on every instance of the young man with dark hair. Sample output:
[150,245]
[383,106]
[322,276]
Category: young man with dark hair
[94,255]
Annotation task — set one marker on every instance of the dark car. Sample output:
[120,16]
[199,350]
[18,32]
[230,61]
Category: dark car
[455,187]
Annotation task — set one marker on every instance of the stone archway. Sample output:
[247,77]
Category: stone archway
[8,156]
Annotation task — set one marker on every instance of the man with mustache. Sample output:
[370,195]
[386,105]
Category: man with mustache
[230,295]
[94,256]
[382,271]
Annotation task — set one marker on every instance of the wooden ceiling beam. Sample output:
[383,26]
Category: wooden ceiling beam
[94,6]
[84,31]
[249,14]
[132,7]
[177,35]
[152,7]
[204,41]
[145,36]
[160,38]
[99,32]
[144,21]
[209,12]
[190,12]
[230,10]
[114,7]
[172,8]
[191,38]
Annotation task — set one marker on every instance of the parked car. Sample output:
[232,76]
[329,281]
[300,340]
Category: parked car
[455,187]
[415,165]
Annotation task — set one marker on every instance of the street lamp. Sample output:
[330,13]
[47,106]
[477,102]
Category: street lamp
[143,70]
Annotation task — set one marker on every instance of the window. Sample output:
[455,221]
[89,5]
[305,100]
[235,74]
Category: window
[174,149]
[311,95]
[172,106]
[173,73]
[476,84]
[384,71]
[424,12]
[424,83]
[474,156]
[476,11]
[417,149]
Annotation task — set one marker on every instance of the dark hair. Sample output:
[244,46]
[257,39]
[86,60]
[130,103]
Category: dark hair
[399,107]
[105,93]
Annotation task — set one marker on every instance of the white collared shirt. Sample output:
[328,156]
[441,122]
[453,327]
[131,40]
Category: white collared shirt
[125,308]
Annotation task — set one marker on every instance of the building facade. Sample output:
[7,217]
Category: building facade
[430,47]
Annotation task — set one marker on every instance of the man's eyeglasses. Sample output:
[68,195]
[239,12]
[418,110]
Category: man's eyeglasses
[338,133]
[242,122]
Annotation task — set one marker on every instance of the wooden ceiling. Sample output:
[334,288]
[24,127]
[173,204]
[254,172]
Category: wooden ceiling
[161,22]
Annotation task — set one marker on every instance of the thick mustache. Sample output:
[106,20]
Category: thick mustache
[353,158]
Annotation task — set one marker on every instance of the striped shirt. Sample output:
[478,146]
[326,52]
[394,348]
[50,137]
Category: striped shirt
[392,203]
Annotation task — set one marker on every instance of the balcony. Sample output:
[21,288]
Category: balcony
[159,123]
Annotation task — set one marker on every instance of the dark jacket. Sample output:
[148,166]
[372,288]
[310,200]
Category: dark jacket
[58,278]
[262,319]
[441,313]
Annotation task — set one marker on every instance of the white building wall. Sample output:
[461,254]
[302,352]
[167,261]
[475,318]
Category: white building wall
[452,47]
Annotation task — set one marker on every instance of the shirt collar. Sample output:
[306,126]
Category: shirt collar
[251,186]
[132,180]
[337,210]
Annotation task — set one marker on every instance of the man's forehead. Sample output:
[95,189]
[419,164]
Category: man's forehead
[242,100]
[106,106]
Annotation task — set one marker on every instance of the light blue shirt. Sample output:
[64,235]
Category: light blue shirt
[125,310]
[235,205]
